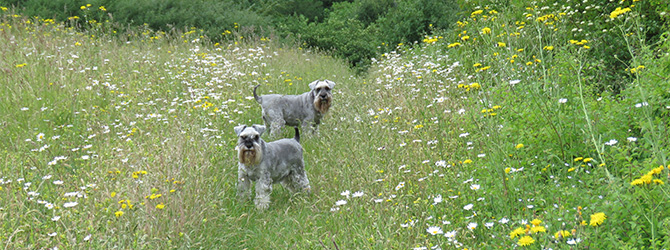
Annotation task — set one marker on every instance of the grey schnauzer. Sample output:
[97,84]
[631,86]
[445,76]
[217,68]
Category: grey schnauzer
[267,163]
[296,110]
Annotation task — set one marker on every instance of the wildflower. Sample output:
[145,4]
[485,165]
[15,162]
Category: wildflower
[160,206]
[453,45]
[400,185]
[538,229]
[536,222]
[562,100]
[525,241]
[118,213]
[476,12]
[573,241]
[501,44]
[611,142]
[340,203]
[345,193]
[70,204]
[489,225]
[358,194]
[450,234]
[467,161]
[549,48]
[486,30]
[517,232]
[631,139]
[433,230]
[562,234]
[519,146]
[514,82]
[472,225]
[504,220]
[597,219]
[619,11]
[468,206]
[474,187]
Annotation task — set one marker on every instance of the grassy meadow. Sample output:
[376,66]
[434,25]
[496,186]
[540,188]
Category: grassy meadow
[495,135]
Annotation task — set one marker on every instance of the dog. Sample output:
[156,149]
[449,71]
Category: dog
[296,110]
[267,163]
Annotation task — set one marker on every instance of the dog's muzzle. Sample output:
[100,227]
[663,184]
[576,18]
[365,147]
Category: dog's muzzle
[248,154]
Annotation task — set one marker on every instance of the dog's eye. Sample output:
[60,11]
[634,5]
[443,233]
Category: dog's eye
[255,138]
[244,137]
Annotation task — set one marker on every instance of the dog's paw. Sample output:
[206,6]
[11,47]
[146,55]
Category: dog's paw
[262,206]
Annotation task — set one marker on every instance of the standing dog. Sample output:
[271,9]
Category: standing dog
[296,110]
[268,163]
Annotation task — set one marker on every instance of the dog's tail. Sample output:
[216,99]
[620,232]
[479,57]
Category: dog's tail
[297,134]
[258,98]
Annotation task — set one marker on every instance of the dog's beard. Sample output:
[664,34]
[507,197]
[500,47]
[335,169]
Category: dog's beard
[322,104]
[250,157]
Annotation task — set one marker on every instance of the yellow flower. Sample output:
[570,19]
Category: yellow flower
[118,213]
[477,12]
[465,38]
[501,44]
[562,234]
[579,158]
[538,229]
[21,65]
[637,182]
[453,45]
[507,170]
[548,48]
[476,65]
[571,169]
[519,146]
[525,241]
[597,219]
[618,11]
[112,194]
[658,181]
[486,30]
[536,222]
[467,161]
[102,8]
[160,206]
[518,231]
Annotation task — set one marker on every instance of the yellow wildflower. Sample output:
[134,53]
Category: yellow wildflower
[597,219]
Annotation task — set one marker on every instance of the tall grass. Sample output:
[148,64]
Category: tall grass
[495,142]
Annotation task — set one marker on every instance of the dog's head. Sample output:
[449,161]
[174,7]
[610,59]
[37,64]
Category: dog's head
[249,149]
[322,93]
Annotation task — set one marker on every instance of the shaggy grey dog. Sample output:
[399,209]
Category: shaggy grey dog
[267,163]
[296,110]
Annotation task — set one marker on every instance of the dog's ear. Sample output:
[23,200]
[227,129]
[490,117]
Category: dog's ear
[312,85]
[259,128]
[331,84]
[239,129]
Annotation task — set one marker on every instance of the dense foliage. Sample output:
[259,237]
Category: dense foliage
[540,125]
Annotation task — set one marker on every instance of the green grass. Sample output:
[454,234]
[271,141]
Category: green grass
[139,133]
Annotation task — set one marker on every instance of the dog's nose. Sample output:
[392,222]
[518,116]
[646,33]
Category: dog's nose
[248,144]
[323,95]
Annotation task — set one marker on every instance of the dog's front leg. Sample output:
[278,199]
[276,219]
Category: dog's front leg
[243,187]
[263,191]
